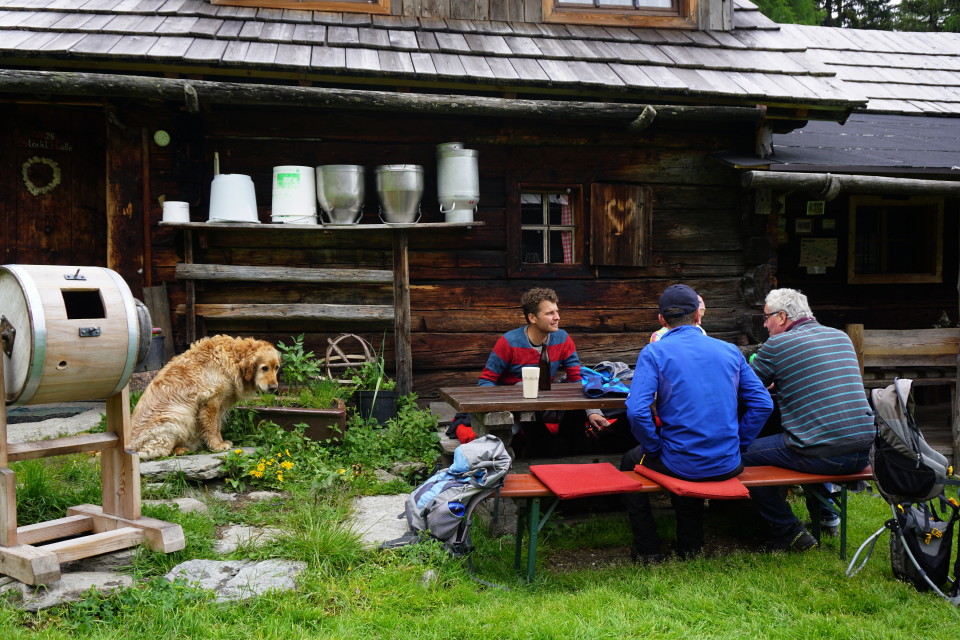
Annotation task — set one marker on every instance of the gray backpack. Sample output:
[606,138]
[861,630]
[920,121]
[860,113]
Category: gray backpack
[442,507]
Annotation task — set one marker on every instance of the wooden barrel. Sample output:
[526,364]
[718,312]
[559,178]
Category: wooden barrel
[69,333]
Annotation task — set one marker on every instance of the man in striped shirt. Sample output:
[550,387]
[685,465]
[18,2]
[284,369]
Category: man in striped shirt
[521,347]
[827,424]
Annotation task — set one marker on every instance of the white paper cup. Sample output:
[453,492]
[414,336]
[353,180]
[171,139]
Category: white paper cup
[531,381]
[176,211]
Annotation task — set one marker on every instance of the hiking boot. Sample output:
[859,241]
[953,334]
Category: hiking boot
[826,530]
[645,558]
[798,540]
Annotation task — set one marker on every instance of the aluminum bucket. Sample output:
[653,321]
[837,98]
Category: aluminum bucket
[400,187]
[340,192]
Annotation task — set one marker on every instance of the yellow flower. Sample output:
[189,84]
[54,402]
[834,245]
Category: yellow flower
[261,467]
[269,462]
[279,455]
[280,477]
[256,474]
[341,471]
[288,451]
[238,451]
[286,464]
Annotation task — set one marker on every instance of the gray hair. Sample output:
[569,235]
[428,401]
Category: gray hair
[791,302]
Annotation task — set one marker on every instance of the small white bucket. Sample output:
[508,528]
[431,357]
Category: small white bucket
[233,199]
[294,195]
[176,211]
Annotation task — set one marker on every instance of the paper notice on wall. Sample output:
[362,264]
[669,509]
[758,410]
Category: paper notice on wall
[818,252]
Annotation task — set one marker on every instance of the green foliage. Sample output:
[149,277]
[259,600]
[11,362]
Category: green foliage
[791,11]
[96,610]
[47,487]
[297,365]
[315,394]
[371,376]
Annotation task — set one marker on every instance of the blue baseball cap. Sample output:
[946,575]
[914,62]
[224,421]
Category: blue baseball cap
[678,300]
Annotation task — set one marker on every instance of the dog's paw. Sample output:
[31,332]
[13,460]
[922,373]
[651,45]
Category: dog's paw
[181,451]
[222,446]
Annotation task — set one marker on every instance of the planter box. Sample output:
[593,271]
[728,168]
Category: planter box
[322,424]
[382,410]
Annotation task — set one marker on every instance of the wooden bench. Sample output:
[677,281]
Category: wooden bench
[926,356]
[530,492]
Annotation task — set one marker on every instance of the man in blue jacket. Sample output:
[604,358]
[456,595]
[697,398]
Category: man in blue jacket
[696,382]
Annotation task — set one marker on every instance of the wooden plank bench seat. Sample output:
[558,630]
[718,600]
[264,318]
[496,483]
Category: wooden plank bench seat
[926,356]
[530,491]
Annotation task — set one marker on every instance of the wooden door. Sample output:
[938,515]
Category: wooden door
[52,193]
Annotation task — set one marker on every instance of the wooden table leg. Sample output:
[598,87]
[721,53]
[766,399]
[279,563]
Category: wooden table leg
[498,423]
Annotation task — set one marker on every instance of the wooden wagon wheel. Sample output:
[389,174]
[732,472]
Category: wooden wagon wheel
[337,359]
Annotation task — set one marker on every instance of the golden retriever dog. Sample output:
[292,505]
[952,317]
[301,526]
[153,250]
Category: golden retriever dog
[188,400]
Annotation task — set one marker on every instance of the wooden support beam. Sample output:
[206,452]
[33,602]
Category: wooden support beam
[226,272]
[829,185]
[317,312]
[95,544]
[30,565]
[401,305]
[265,95]
[165,537]
[61,446]
[8,508]
[53,529]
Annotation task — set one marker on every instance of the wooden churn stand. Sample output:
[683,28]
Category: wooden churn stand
[72,333]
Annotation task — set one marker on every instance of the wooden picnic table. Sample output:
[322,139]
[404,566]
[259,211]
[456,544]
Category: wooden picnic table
[492,408]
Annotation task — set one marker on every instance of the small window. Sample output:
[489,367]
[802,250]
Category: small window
[546,230]
[647,13]
[895,240]
[380,7]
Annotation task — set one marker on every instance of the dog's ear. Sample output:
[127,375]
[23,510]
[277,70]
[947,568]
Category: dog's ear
[249,364]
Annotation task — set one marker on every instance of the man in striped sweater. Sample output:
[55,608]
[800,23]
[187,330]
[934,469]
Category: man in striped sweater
[521,347]
[827,424]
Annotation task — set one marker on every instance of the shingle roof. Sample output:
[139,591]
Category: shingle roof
[867,143]
[756,63]
[905,73]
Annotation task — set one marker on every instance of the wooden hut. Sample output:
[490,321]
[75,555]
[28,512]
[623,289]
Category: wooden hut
[604,136]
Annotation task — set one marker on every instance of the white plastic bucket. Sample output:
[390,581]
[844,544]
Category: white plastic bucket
[233,199]
[458,181]
[294,195]
[176,211]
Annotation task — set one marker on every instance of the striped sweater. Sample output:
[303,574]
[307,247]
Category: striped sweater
[818,385]
[513,351]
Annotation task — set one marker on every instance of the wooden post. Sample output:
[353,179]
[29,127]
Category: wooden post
[855,331]
[191,301]
[8,482]
[401,304]
[120,465]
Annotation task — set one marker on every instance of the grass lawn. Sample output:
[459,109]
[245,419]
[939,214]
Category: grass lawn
[585,586]
[349,592]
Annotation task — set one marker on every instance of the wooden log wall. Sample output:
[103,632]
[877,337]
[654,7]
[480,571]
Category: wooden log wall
[461,296]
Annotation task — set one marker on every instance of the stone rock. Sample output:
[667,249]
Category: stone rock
[405,468]
[375,518]
[71,587]
[54,427]
[383,476]
[239,579]
[187,505]
[104,562]
[428,579]
[235,536]
[204,466]
[263,496]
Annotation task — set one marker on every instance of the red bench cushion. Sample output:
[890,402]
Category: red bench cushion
[731,489]
[583,480]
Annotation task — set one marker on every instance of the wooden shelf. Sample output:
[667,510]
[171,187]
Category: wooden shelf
[190,272]
[211,226]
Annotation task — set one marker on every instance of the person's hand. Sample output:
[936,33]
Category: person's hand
[597,423]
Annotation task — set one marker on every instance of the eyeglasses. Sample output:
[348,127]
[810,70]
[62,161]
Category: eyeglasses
[772,313]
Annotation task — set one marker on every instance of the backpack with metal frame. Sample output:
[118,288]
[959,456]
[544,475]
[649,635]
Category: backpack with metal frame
[912,476]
